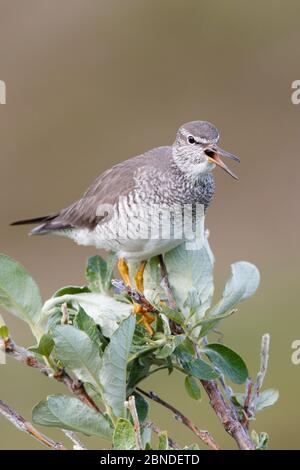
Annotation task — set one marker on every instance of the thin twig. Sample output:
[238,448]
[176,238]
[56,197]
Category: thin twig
[203,435]
[75,439]
[19,422]
[264,359]
[247,413]
[165,283]
[136,296]
[65,314]
[173,444]
[21,354]
[130,404]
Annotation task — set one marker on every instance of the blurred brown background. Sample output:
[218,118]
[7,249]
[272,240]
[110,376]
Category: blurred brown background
[91,83]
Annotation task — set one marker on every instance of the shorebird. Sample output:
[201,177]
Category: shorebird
[112,210]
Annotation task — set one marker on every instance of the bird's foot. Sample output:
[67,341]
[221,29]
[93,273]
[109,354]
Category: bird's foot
[146,318]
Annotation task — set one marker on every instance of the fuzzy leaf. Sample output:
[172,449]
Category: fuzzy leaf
[72,290]
[78,353]
[243,283]
[266,398]
[99,273]
[67,412]
[85,323]
[114,366]
[124,437]
[103,309]
[44,347]
[19,293]
[191,271]
[163,443]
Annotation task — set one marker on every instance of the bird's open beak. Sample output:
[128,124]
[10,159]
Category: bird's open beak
[214,156]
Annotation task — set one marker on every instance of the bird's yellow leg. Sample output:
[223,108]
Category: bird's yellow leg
[139,277]
[146,318]
[124,271]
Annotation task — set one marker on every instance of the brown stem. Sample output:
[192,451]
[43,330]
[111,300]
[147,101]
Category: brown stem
[19,422]
[224,413]
[203,435]
[21,354]
[246,411]
[165,283]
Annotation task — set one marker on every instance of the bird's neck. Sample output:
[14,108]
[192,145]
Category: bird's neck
[190,172]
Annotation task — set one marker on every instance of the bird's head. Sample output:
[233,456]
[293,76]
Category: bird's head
[195,150]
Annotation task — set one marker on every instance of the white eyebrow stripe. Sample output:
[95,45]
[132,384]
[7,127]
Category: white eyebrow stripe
[199,140]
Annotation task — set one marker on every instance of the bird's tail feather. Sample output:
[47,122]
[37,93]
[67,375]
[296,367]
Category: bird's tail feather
[47,225]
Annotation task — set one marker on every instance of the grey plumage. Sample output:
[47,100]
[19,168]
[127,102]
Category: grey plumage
[173,175]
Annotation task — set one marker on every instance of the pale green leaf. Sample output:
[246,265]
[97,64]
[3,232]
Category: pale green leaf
[68,412]
[103,309]
[99,273]
[266,398]
[190,273]
[19,293]
[243,284]
[78,353]
[45,346]
[114,366]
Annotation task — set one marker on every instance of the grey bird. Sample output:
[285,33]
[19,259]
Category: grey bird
[111,212]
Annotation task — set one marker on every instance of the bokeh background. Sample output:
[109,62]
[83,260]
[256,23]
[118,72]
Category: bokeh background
[91,83]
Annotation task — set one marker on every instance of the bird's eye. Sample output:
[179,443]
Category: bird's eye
[191,139]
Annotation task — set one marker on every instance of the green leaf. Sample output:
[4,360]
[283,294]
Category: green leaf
[78,353]
[192,387]
[99,273]
[260,440]
[170,346]
[72,290]
[228,361]
[266,398]
[19,293]
[209,323]
[192,447]
[4,333]
[142,407]
[188,269]
[172,314]
[163,443]
[124,437]
[67,412]
[114,366]
[87,324]
[243,283]
[44,347]
[186,347]
[139,369]
[196,367]
[103,309]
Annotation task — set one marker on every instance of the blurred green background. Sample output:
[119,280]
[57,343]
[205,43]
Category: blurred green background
[91,83]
